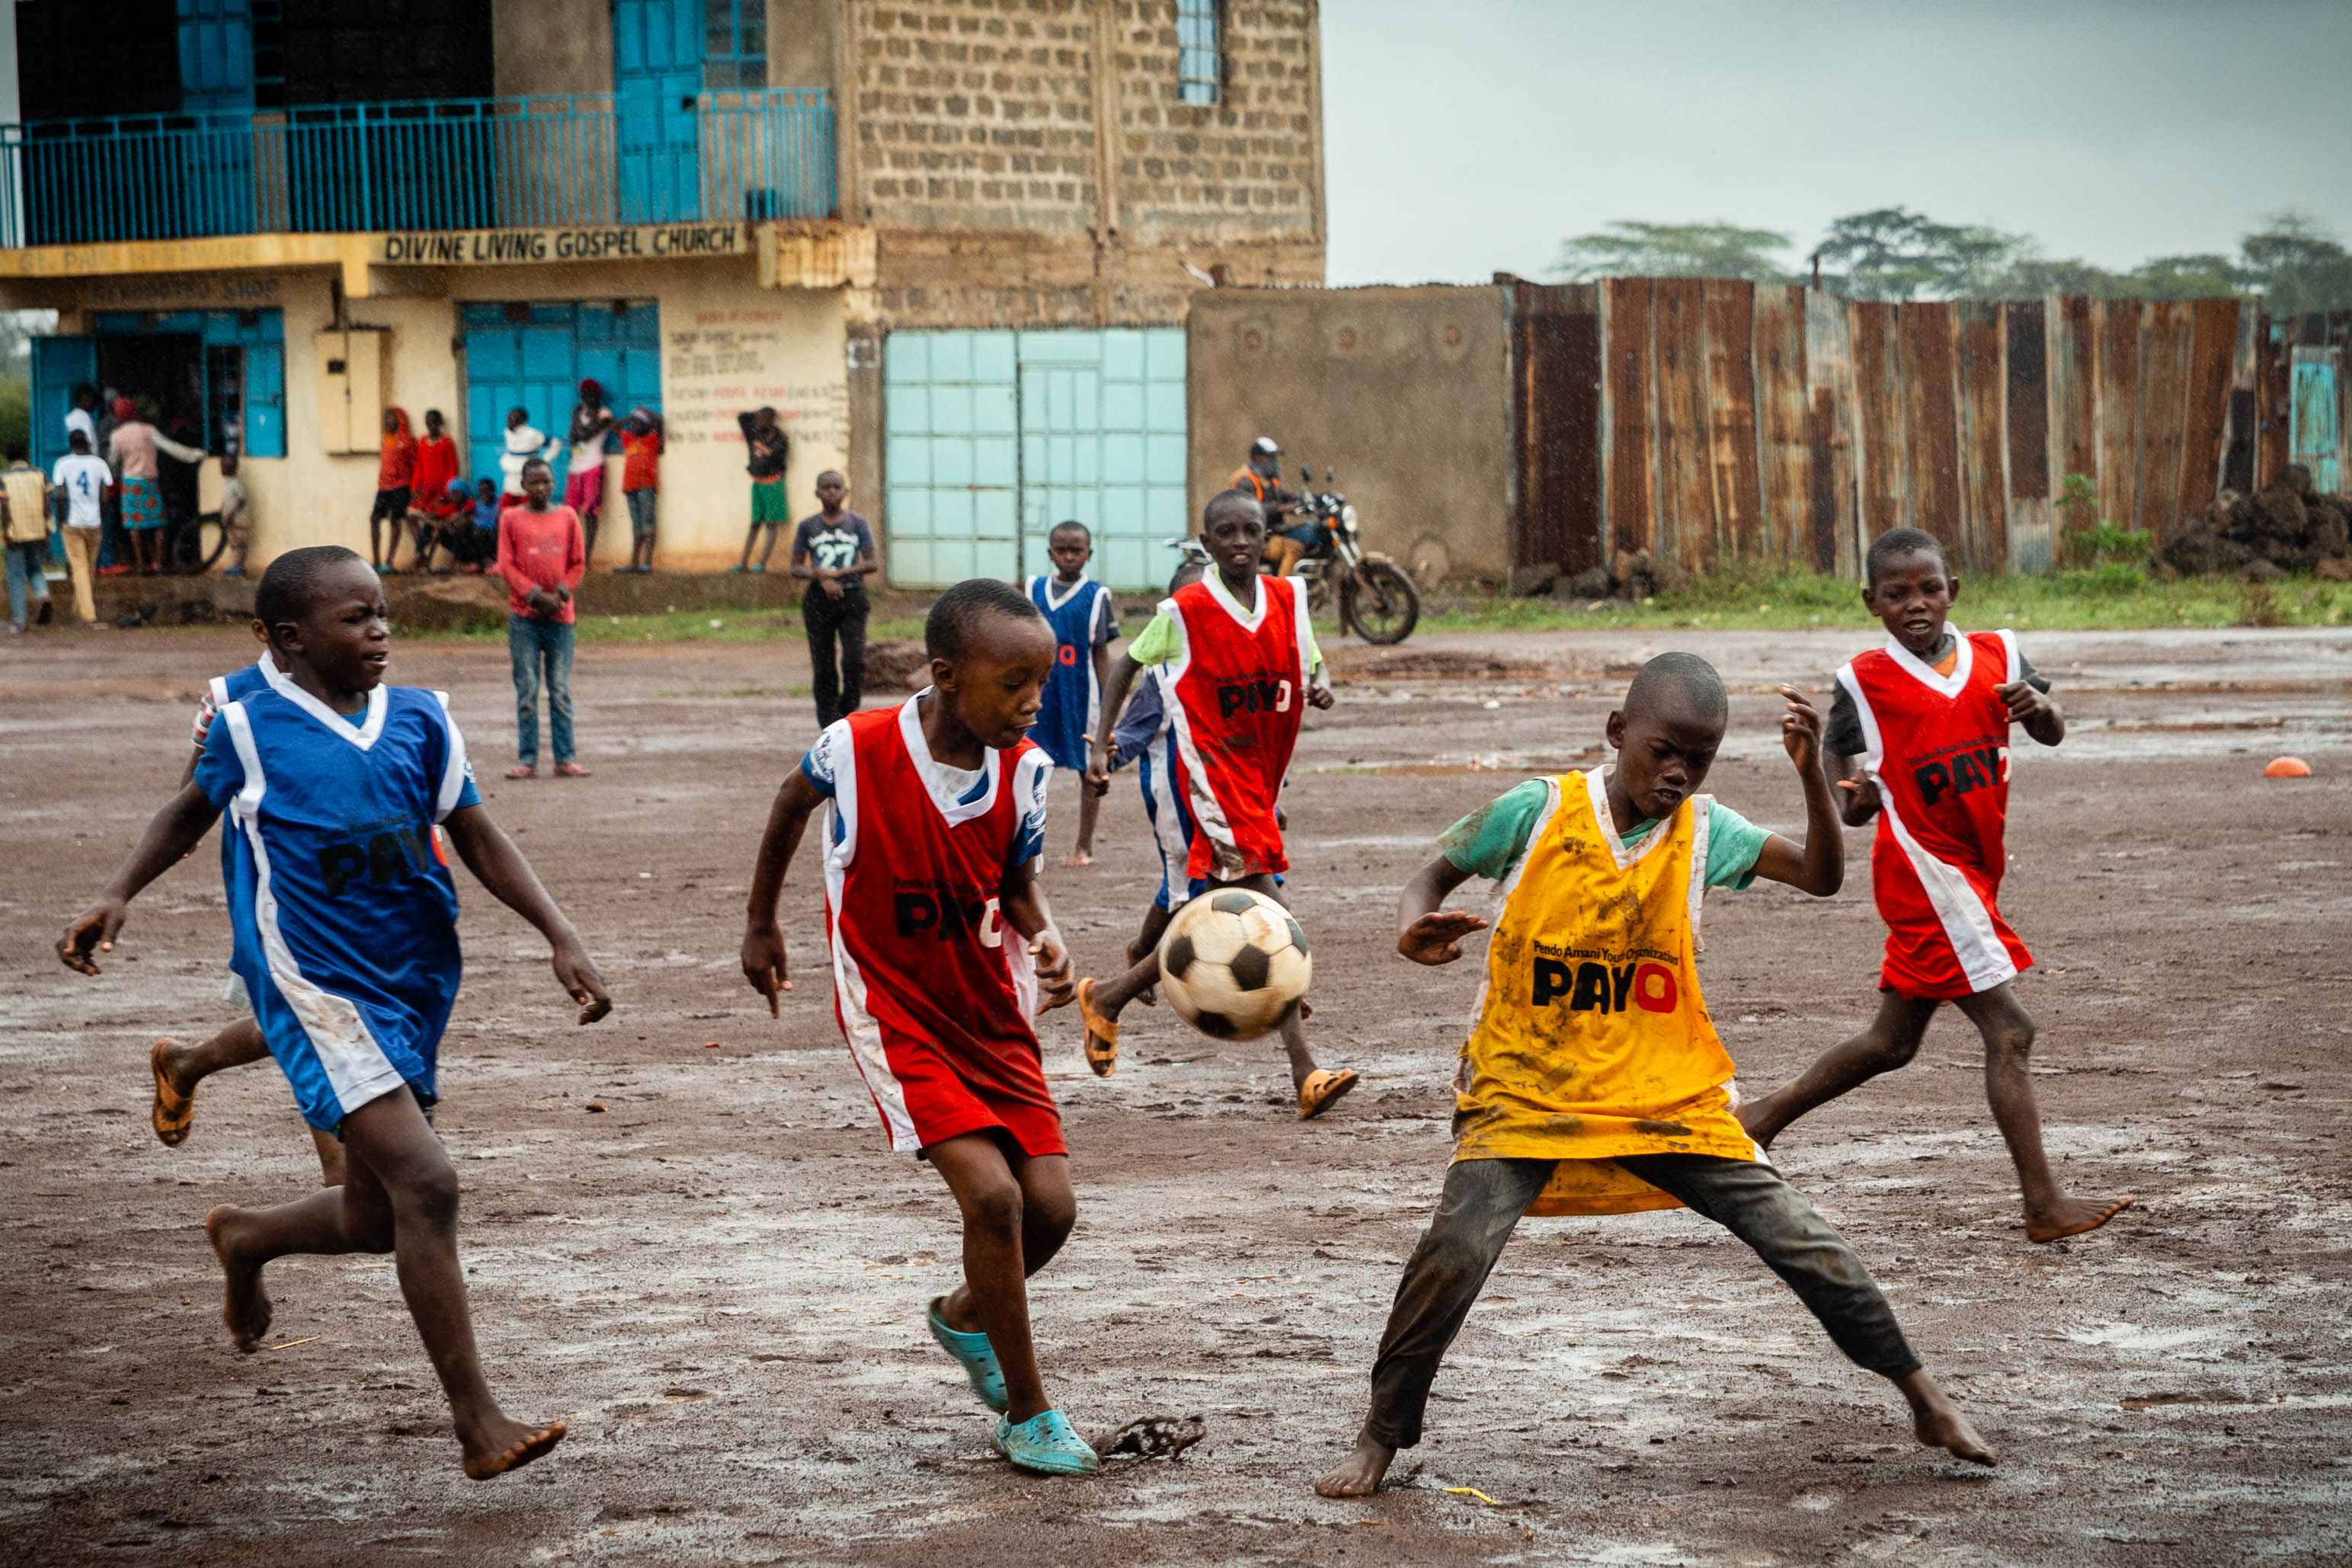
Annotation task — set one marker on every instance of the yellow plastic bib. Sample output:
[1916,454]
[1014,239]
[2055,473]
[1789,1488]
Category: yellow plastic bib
[1593,1039]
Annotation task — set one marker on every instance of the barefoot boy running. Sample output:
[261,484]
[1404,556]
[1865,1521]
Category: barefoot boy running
[1593,1081]
[1929,715]
[1079,610]
[933,821]
[345,915]
[1241,669]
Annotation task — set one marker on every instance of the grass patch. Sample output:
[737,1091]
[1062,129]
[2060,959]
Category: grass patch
[2114,594]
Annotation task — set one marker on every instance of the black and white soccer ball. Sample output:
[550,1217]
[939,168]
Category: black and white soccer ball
[1233,961]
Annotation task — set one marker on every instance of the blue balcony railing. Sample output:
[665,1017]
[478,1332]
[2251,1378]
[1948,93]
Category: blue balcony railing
[484,163]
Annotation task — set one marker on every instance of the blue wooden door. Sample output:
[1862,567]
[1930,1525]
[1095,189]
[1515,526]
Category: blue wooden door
[657,76]
[533,357]
[2314,437]
[60,364]
[216,91]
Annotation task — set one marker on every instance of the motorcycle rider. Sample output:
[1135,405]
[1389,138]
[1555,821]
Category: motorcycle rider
[1259,478]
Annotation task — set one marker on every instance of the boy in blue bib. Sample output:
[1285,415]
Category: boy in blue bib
[1085,624]
[341,794]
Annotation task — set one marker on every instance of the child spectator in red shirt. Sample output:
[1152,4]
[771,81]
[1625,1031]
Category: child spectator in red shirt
[396,471]
[641,447]
[428,491]
[543,555]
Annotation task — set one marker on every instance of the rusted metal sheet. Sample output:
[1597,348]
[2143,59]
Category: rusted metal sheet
[2115,323]
[2073,405]
[2245,405]
[1984,480]
[1878,417]
[2213,346]
[1731,308]
[1833,514]
[1687,489]
[1931,424]
[2168,328]
[1556,395]
[1784,450]
[2025,417]
[2274,378]
[1626,411]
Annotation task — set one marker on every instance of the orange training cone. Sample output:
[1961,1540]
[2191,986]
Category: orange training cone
[2287,768]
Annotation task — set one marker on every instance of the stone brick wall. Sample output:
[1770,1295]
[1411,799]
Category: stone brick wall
[976,159]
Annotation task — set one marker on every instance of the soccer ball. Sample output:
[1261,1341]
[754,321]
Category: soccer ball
[1233,961]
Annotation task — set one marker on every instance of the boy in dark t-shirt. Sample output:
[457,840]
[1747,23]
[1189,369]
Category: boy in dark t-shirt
[833,552]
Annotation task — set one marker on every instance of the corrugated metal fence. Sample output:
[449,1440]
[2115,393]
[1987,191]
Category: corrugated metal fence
[1711,421]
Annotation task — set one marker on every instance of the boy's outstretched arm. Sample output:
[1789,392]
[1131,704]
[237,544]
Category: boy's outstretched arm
[1021,900]
[498,866]
[1426,933]
[1818,865]
[1114,703]
[171,833]
[763,944]
[2035,711]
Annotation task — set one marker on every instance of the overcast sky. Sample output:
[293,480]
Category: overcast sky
[1473,136]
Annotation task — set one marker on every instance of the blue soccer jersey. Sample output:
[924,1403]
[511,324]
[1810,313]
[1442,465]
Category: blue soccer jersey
[1082,620]
[339,894]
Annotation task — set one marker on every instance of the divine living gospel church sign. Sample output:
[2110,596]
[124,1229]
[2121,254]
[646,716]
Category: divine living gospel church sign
[488,246]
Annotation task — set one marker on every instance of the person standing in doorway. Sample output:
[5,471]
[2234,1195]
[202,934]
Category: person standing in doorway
[541,558]
[524,441]
[768,449]
[396,473]
[26,526]
[132,450]
[583,484]
[114,548]
[833,552]
[428,487]
[84,478]
[83,415]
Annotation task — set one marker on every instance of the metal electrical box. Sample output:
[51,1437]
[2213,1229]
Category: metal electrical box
[355,386]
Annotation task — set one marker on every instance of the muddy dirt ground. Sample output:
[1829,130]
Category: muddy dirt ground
[718,1282]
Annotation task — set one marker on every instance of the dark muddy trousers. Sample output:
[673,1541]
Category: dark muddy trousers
[840,687]
[1484,1199]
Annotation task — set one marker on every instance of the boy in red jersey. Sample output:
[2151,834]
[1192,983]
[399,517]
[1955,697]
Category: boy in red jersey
[1237,682]
[1929,716]
[934,818]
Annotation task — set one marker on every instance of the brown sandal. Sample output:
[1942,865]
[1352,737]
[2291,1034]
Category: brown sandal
[523,770]
[1102,1033]
[569,771]
[174,1112]
[1323,1089]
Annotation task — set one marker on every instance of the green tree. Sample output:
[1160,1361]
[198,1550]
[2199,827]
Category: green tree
[1892,253]
[1628,249]
[2296,266]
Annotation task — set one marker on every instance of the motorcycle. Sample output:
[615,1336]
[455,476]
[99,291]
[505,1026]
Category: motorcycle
[1376,600]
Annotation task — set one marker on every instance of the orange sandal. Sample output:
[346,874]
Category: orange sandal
[174,1112]
[1323,1089]
[1102,1033]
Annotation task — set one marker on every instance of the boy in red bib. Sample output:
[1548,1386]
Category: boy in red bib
[1929,715]
[1241,669]
[933,821]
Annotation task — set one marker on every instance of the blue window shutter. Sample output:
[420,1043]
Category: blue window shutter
[265,400]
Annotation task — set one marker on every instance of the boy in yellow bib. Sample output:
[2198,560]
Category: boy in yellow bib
[1593,1081]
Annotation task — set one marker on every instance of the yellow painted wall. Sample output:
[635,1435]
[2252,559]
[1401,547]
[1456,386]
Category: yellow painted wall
[727,345]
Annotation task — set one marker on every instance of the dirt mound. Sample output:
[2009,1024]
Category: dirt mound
[2284,527]
[896,665]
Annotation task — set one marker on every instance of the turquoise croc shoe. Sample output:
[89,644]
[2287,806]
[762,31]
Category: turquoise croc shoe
[974,1355]
[1047,1443]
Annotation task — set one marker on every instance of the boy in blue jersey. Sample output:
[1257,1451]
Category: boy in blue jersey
[1079,611]
[339,790]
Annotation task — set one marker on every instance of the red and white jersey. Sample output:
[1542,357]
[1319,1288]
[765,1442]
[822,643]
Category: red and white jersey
[1238,691]
[1937,745]
[933,991]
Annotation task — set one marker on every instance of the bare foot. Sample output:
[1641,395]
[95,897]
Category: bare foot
[1939,1424]
[1358,1475]
[2072,1216]
[245,1305]
[1080,857]
[507,1444]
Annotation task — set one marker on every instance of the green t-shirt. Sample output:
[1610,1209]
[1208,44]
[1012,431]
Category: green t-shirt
[1163,639]
[1491,839]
